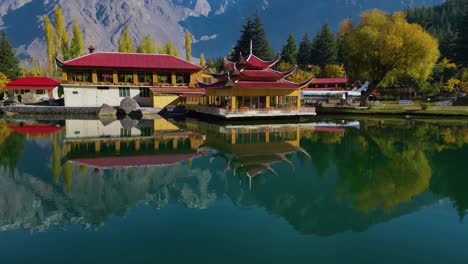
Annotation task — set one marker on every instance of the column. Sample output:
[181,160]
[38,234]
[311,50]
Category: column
[155,78]
[233,102]
[115,77]
[173,79]
[135,78]
[97,147]
[174,144]
[137,145]
[64,77]
[267,103]
[233,137]
[299,101]
[156,144]
[94,77]
[117,146]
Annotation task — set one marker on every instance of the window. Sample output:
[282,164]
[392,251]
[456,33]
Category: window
[75,92]
[147,131]
[125,77]
[124,91]
[40,92]
[125,132]
[164,77]
[105,77]
[182,78]
[145,77]
[144,92]
[83,76]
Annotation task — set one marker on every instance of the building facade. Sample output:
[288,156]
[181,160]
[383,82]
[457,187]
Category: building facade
[33,89]
[108,77]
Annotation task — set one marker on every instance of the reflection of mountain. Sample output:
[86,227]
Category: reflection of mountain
[366,178]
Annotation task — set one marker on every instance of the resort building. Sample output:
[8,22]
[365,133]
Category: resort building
[108,77]
[34,89]
[337,83]
[252,89]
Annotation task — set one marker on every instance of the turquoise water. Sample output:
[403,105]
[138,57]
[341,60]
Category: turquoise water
[158,191]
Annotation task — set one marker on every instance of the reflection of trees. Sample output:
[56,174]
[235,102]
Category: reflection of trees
[11,146]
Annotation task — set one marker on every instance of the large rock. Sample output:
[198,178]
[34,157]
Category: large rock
[129,123]
[129,105]
[107,110]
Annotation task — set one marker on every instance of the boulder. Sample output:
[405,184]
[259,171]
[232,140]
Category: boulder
[107,110]
[129,105]
[128,123]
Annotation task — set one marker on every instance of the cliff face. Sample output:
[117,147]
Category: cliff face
[215,24]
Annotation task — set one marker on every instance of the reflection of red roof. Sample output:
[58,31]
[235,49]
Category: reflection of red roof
[132,60]
[33,83]
[254,85]
[35,129]
[134,161]
[330,129]
[176,90]
[330,80]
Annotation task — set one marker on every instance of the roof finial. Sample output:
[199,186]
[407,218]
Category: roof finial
[251,47]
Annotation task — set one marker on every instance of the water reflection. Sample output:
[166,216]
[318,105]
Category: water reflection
[322,177]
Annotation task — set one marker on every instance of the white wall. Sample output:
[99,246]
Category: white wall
[91,96]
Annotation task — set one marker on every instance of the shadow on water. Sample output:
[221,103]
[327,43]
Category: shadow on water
[324,177]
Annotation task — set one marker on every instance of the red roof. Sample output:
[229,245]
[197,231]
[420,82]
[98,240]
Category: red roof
[35,129]
[252,62]
[134,161]
[131,60]
[33,83]
[275,85]
[265,74]
[330,80]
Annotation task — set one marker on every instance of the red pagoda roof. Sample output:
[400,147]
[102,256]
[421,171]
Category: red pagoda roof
[252,62]
[134,161]
[330,80]
[35,129]
[257,84]
[131,60]
[33,83]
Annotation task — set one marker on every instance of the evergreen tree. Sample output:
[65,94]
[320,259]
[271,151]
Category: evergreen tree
[261,46]
[9,64]
[49,38]
[462,45]
[188,46]
[324,48]
[61,38]
[125,42]
[305,51]
[289,51]
[202,60]
[77,42]
[147,45]
[243,44]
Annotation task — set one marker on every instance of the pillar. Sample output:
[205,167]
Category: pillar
[155,78]
[233,102]
[233,137]
[135,78]
[94,77]
[97,147]
[115,77]
[64,77]
[174,144]
[117,146]
[267,137]
[299,101]
[267,103]
[156,144]
[173,79]
[137,145]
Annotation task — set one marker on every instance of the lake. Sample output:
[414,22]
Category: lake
[325,190]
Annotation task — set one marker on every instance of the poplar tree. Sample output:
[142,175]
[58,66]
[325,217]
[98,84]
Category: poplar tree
[305,51]
[289,51]
[324,48]
[147,45]
[125,42]
[9,64]
[169,49]
[77,42]
[202,60]
[61,35]
[49,38]
[188,46]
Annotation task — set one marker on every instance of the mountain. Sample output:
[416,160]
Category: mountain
[215,24]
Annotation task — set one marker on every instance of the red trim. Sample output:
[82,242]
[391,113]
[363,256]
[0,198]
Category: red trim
[330,80]
[134,161]
[35,129]
[33,83]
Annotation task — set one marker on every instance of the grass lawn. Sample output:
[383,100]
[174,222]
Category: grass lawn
[396,109]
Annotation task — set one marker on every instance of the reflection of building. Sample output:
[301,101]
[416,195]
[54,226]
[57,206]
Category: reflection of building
[145,143]
[107,77]
[34,89]
[253,89]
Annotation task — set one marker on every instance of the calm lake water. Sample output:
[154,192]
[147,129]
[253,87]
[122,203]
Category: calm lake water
[158,191]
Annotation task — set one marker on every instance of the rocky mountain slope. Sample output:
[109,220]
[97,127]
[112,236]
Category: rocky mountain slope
[215,24]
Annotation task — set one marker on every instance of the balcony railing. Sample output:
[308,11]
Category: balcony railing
[253,112]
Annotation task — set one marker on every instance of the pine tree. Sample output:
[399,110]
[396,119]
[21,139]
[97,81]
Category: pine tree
[462,44]
[49,38]
[125,42]
[61,38]
[289,51]
[324,48]
[147,45]
[9,64]
[305,51]
[188,46]
[243,44]
[261,46]
[77,42]
[202,60]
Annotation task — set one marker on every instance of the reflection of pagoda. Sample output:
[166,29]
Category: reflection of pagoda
[253,89]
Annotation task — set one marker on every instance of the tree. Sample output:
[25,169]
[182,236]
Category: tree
[169,49]
[324,48]
[333,71]
[462,47]
[9,64]
[61,35]
[243,44]
[289,51]
[49,38]
[77,42]
[188,46]
[346,27]
[202,60]
[298,75]
[384,46]
[3,81]
[147,45]
[305,51]
[125,42]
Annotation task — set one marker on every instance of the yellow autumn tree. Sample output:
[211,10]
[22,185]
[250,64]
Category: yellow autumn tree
[61,35]
[49,38]
[188,46]
[202,60]
[333,71]
[147,45]
[384,46]
[297,76]
[125,42]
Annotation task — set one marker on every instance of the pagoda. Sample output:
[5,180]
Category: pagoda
[252,84]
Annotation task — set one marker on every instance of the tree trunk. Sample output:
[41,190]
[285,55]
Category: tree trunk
[365,94]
